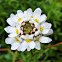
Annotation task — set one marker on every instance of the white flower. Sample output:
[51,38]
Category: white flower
[38,47]
[18,17]
[14,31]
[36,15]
[45,27]
[15,42]
[37,42]
[27,30]
[44,39]
[27,44]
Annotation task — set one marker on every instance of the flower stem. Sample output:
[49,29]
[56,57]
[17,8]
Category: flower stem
[14,56]
[4,49]
[20,60]
[53,45]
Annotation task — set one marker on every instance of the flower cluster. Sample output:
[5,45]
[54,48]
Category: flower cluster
[27,30]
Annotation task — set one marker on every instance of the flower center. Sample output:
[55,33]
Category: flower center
[28,28]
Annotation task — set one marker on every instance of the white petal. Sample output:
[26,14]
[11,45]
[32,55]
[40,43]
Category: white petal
[31,36]
[22,36]
[19,11]
[26,36]
[32,21]
[12,35]
[10,22]
[9,29]
[44,39]
[37,25]
[12,15]
[9,40]
[31,44]
[15,45]
[37,13]
[25,14]
[28,48]
[42,18]
[21,21]
[37,33]
[26,19]
[45,31]
[23,46]
[38,47]
[29,11]
[19,15]
[20,39]
[15,19]
[46,25]
[50,32]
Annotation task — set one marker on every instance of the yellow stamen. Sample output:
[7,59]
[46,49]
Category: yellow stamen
[28,40]
[17,31]
[19,19]
[31,16]
[41,28]
[17,39]
[37,39]
[36,20]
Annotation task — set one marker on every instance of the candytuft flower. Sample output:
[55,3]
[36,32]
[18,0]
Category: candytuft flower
[27,30]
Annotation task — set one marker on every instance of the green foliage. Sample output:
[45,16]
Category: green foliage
[53,10]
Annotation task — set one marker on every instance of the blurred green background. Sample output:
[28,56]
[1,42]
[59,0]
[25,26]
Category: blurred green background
[53,10]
